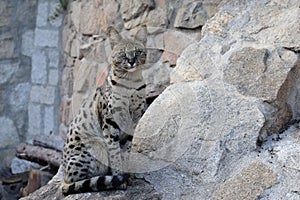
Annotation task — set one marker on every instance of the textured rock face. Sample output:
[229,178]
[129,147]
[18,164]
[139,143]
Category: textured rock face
[231,90]
[195,14]
[86,47]
[212,134]
[140,191]
[249,183]
[17,22]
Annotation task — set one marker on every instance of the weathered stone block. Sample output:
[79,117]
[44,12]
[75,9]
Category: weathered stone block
[42,14]
[46,38]
[75,48]
[53,57]
[153,56]
[66,115]
[58,20]
[41,94]
[5,11]
[49,120]
[7,71]
[157,78]
[133,8]
[19,97]
[195,14]
[53,77]
[75,6]
[248,184]
[19,165]
[136,12]
[67,82]
[34,121]
[84,75]
[169,57]
[39,67]
[263,71]
[89,19]
[205,109]
[7,47]
[27,43]
[9,134]
[93,51]
[175,42]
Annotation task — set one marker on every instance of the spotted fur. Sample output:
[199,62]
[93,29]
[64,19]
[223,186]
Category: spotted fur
[99,137]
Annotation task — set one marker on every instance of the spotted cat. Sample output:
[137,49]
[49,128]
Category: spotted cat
[99,137]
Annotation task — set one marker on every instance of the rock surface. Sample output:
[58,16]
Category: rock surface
[140,190]
[249,183]
[29,67]
[195,14]
[86,46]
[216,131]
[206,134]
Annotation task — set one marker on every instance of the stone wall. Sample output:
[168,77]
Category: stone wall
[228,125]
[172,26]
[43,112]
[29,73]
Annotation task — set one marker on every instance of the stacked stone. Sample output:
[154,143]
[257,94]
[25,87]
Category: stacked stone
[172,26]
[29,73]
[216,132]
[43,114]
[17,22]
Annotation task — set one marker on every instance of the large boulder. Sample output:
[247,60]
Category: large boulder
[216,132]
[206,135]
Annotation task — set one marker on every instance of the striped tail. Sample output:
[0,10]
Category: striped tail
[97,183]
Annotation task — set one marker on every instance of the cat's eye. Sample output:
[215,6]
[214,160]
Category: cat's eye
[138,52]
[122,54]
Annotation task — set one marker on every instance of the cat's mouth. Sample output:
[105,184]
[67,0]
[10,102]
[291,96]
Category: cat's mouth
[132,69]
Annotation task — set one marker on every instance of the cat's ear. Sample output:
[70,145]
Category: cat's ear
[141,35]
[114,36]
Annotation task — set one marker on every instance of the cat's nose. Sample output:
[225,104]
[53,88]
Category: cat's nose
[131,61]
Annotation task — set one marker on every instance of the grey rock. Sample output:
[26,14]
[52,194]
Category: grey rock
[19,97]
[261,21]
[49,120]
[46,38]
[249,183]
[53,77]
[41,94]
[157,78]
[9,134]
[34,121]
[39,67]
[7,46]
[258,64]
[27,43]
[236,86]
[7,71]
[259,72]
[58,20]
[283,158]
[210,120]
[4,13]
[140,190]
[191,15]
[132,8]
[233,88]
[42,14]
[136,12]
[19,165]
[54,57]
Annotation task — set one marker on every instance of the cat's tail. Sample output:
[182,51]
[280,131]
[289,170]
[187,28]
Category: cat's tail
[97,183]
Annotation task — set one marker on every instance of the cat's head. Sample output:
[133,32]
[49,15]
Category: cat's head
[128,54]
